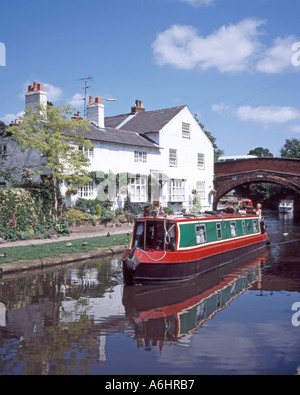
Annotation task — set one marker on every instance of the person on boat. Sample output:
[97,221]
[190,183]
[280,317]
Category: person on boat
[258,211]
[260,218]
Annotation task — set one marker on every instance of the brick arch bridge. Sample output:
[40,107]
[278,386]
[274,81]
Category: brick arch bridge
[230,174]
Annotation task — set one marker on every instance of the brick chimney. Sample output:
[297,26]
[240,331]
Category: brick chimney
[138,107]
[35,94]
[16,122]
[77,116]
[95,111]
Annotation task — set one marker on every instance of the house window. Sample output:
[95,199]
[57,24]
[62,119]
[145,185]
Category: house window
[200,187]
[177,190]
[233,229]
[86,191]
[138,189]
[186,130]
[140,156]
[200,162]
[200,234]
[89,153]
[219,230]
[3,149]
[172,157]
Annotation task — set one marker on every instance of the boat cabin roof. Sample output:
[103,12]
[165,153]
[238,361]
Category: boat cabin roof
[196,217]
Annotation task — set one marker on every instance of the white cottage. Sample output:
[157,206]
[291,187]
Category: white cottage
[184,166]
[165,151]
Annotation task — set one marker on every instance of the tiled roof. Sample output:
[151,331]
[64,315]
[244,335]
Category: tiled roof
[142,122]
[112,135]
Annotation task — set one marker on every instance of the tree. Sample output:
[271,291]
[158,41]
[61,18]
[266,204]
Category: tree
[291,148]
[2,129]
[49,130]
[260,151]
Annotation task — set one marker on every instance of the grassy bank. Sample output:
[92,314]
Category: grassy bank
[57,248]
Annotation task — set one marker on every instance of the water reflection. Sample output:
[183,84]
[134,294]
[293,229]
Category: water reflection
[49,321]
[80,319]
[167,313]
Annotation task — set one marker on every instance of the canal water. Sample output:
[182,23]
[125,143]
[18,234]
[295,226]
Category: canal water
[243,318]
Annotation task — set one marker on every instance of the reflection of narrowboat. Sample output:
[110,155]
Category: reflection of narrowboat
[286,206]
[168,312]
[175,248]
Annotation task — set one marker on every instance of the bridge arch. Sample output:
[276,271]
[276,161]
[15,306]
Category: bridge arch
[229,175]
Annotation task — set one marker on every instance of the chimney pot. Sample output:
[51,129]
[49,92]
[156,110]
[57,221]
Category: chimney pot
[90,99]
[98,100]
[138,107]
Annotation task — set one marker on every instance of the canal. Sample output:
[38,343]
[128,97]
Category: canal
[240,319]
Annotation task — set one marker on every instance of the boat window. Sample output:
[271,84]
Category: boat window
[244,227]
[219,230]
[233,229]
[200,234]
[170,236]
[154,235]
[255,227]
[139,235]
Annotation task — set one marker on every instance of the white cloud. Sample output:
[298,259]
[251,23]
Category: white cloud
[220,108]
[198,3]
[76,100]
[11,117]
[278,57]
[267,114]
[229,49]
[296,129]
[54,93]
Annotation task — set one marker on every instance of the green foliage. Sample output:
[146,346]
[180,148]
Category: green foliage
[74,215]
[261,152]
[291,149]
[27,213]
[58,138]
[98,209]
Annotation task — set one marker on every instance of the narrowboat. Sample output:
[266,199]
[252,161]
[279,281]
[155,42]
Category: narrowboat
[176,248]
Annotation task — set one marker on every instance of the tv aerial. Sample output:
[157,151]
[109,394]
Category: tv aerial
[86,86]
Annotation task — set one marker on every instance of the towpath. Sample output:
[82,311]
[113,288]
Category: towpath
[41,264]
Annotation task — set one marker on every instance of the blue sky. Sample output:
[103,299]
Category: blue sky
[230,61]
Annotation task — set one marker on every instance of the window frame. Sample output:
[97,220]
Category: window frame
[200,161]
[140,156]
[173,157]
[200,238]
[177,190]
[186,130]
[233,229]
